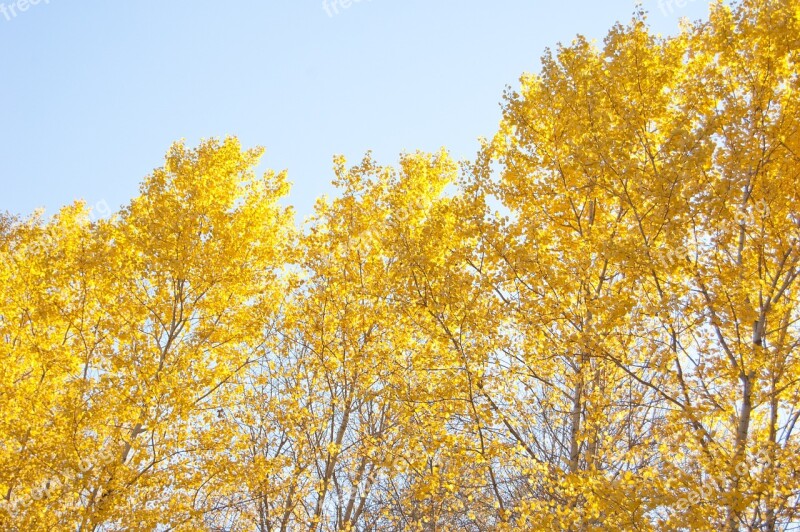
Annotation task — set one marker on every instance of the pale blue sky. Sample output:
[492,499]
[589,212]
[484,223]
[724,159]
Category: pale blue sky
[92,92]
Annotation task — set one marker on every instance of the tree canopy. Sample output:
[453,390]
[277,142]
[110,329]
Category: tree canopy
[593,325]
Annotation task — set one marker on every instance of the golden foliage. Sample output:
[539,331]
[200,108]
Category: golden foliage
[593,326]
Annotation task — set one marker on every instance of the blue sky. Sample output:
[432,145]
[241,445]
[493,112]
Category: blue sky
[92,92]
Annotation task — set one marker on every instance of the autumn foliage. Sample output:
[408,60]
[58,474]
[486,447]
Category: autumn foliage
[591,326]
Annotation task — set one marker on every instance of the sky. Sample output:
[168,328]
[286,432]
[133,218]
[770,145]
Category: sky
[93,92]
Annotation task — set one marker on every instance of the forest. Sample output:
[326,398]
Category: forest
[592,325]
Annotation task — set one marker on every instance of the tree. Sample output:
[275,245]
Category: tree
[652,256]
[126,336]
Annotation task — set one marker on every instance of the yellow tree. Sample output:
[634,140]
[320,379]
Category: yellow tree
[354,420]
[142,343]
[650,256]
[739,266]
[48,316]
[572,149]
